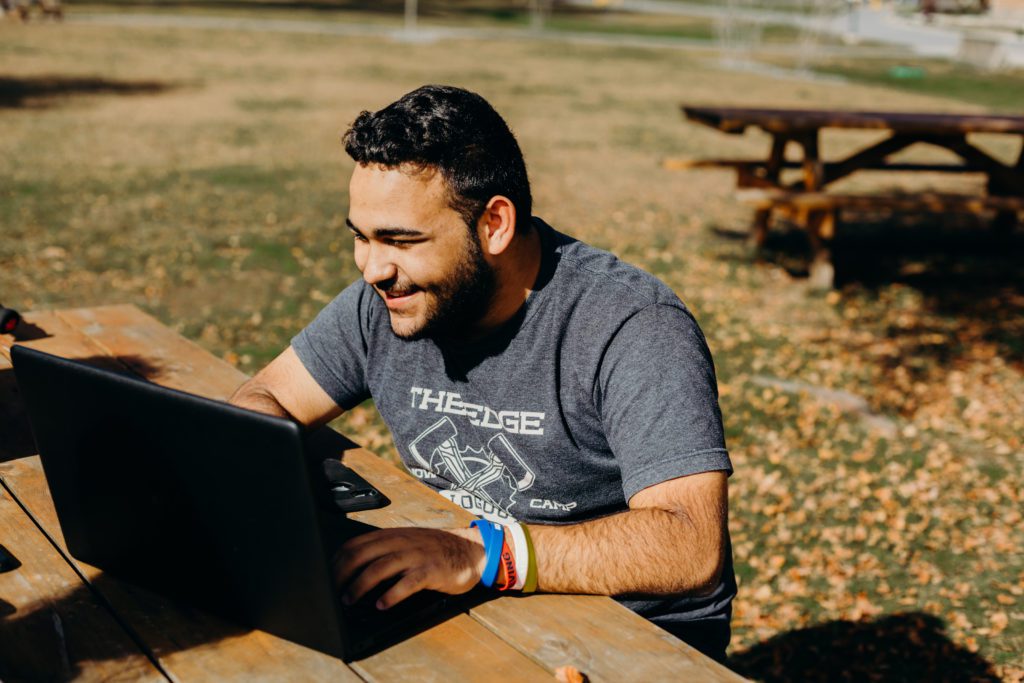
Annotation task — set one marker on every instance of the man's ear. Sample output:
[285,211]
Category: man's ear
[497,225]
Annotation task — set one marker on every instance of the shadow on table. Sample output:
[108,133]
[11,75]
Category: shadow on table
[900,647]
[26,331]
[78,627]
[42,91]
[17,439]
[74,629]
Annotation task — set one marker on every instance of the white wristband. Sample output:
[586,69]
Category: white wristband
[522,553]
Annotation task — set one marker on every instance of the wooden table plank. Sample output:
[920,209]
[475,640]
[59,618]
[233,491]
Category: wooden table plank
[548,631]
[833,169]
[460,649]
[599,637]
[154,351]
[736,119]
[52,627]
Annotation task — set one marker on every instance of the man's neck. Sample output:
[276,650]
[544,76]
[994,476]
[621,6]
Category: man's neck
[517,274]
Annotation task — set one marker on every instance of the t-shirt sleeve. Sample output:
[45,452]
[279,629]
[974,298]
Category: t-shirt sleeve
[333,348]
[658,399]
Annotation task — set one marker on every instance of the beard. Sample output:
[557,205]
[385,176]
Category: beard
[460,300]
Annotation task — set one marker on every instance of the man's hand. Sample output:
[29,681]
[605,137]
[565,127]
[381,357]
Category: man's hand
[446,560]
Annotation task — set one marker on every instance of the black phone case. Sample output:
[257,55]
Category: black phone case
[349,491]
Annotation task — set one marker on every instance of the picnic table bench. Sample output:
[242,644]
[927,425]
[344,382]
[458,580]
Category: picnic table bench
[61,618]
[807,201]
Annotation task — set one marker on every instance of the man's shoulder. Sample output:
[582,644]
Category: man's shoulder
[601,278]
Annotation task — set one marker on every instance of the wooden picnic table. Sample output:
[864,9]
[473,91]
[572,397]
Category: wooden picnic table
[807,200]
[61,618]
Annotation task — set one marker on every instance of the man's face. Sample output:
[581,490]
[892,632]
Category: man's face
[417,253]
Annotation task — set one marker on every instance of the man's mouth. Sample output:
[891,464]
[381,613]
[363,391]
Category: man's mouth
[397,298]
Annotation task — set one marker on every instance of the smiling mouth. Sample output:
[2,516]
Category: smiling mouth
[396,298]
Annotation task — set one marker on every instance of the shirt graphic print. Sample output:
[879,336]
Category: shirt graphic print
[486,477]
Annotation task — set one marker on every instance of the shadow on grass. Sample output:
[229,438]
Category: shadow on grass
[43,91]
[900,647]
[961,267]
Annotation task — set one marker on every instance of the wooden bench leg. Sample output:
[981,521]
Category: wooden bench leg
[759,230]
[820,229]
[1006,221]
[763,217]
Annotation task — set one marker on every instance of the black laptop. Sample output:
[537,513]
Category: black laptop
[233,511]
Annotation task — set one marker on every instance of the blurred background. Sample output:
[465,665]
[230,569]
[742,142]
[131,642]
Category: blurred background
[184,156]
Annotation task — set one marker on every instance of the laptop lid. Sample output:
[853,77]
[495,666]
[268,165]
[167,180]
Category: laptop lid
[191,497]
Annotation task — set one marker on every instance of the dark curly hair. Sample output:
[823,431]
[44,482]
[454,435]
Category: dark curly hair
[458,133]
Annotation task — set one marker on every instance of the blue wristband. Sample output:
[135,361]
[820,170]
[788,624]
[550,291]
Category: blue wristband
[494,537]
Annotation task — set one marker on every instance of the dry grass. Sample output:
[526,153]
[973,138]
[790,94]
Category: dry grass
[217,203]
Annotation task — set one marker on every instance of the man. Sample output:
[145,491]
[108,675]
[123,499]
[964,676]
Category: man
[524,375]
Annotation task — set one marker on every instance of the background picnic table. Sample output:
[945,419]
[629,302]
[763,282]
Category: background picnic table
[809,200]
[876,430]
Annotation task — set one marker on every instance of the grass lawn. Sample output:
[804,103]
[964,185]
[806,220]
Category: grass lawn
[997,91]
[483,14]
[198,174]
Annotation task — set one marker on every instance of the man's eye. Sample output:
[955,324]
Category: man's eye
[358,237]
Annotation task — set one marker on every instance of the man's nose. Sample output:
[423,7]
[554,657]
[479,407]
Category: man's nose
[378,267]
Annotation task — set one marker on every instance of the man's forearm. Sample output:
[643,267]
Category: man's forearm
[651,551]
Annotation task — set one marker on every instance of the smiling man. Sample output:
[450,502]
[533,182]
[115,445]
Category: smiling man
[544,385]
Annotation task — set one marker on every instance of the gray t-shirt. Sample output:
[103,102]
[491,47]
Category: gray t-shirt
[602,385]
